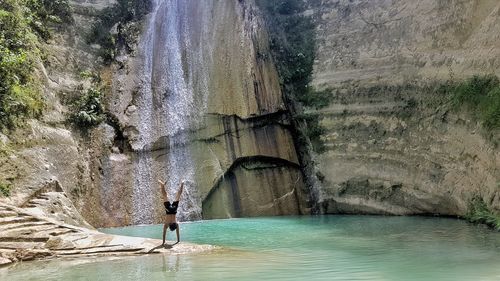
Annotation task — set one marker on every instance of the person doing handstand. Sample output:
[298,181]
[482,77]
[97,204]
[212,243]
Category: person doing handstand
[171,209]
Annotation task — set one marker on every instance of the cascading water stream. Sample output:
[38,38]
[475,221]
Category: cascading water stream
[171,103]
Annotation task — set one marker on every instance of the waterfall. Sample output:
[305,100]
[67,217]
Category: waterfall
[176,53]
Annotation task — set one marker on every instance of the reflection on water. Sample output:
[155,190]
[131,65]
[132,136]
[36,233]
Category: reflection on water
[170,263]
[300,248]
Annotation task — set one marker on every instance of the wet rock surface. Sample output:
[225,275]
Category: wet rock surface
[219,102]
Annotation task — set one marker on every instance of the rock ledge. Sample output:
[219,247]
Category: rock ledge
[25,236]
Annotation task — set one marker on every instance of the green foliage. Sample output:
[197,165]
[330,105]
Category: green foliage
[313,130]
[481,95]
[47,13]
[94,77]
[22,24]
[480,213]
[474,89]
[124,11]
[4,189]
[88,111]
[316,99]
[292,42]
[18,52]
[490,109]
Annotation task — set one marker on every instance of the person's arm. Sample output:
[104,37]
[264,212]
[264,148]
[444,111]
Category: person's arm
[178,236]
[163,192]
[164,233]
[179,193]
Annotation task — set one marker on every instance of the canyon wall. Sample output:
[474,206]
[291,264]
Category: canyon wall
[200,101]
[392,144]
[46,160]
[195,97]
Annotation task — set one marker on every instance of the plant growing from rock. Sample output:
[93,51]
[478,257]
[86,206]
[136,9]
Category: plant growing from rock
[4,190]
[121,15]
[292,42]
[481,96]
[88,111]
[480,213]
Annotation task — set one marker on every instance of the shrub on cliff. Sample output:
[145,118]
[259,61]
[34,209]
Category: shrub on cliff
[292,43]
[120,14]
[88,111]
[4,190]
[481,96]
[480,213]
[48,13]
[18,53]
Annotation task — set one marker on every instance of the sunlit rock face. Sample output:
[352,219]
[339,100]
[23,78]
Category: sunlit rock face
[47,152]
[392,147]
[48,228]
[199,101]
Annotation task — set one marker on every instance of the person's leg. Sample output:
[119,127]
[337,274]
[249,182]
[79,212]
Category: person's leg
[164,233]
[179,192]
[163,192]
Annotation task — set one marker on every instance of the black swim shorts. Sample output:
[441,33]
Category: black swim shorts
[173,226]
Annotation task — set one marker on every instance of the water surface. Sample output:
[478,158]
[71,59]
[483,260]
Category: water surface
[300,248]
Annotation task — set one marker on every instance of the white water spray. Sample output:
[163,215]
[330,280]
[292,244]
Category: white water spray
[174,88]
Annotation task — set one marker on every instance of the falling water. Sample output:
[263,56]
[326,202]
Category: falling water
[176,50]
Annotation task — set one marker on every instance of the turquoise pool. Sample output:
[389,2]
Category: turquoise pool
[299,248]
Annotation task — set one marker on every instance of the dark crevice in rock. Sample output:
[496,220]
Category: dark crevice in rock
[235,191]
[120,141]
[18,220]
[304,149]
[278,118]
[24,239]
[250,163]
[265,117]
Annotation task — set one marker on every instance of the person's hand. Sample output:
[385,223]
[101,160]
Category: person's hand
[162,183]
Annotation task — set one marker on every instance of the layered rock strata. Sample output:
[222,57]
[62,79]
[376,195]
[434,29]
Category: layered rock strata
[393,145]
[29,234]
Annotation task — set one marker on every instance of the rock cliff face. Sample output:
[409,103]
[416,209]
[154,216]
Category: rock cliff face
[393,147]
[200,101]
[47,155]
[198,98]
